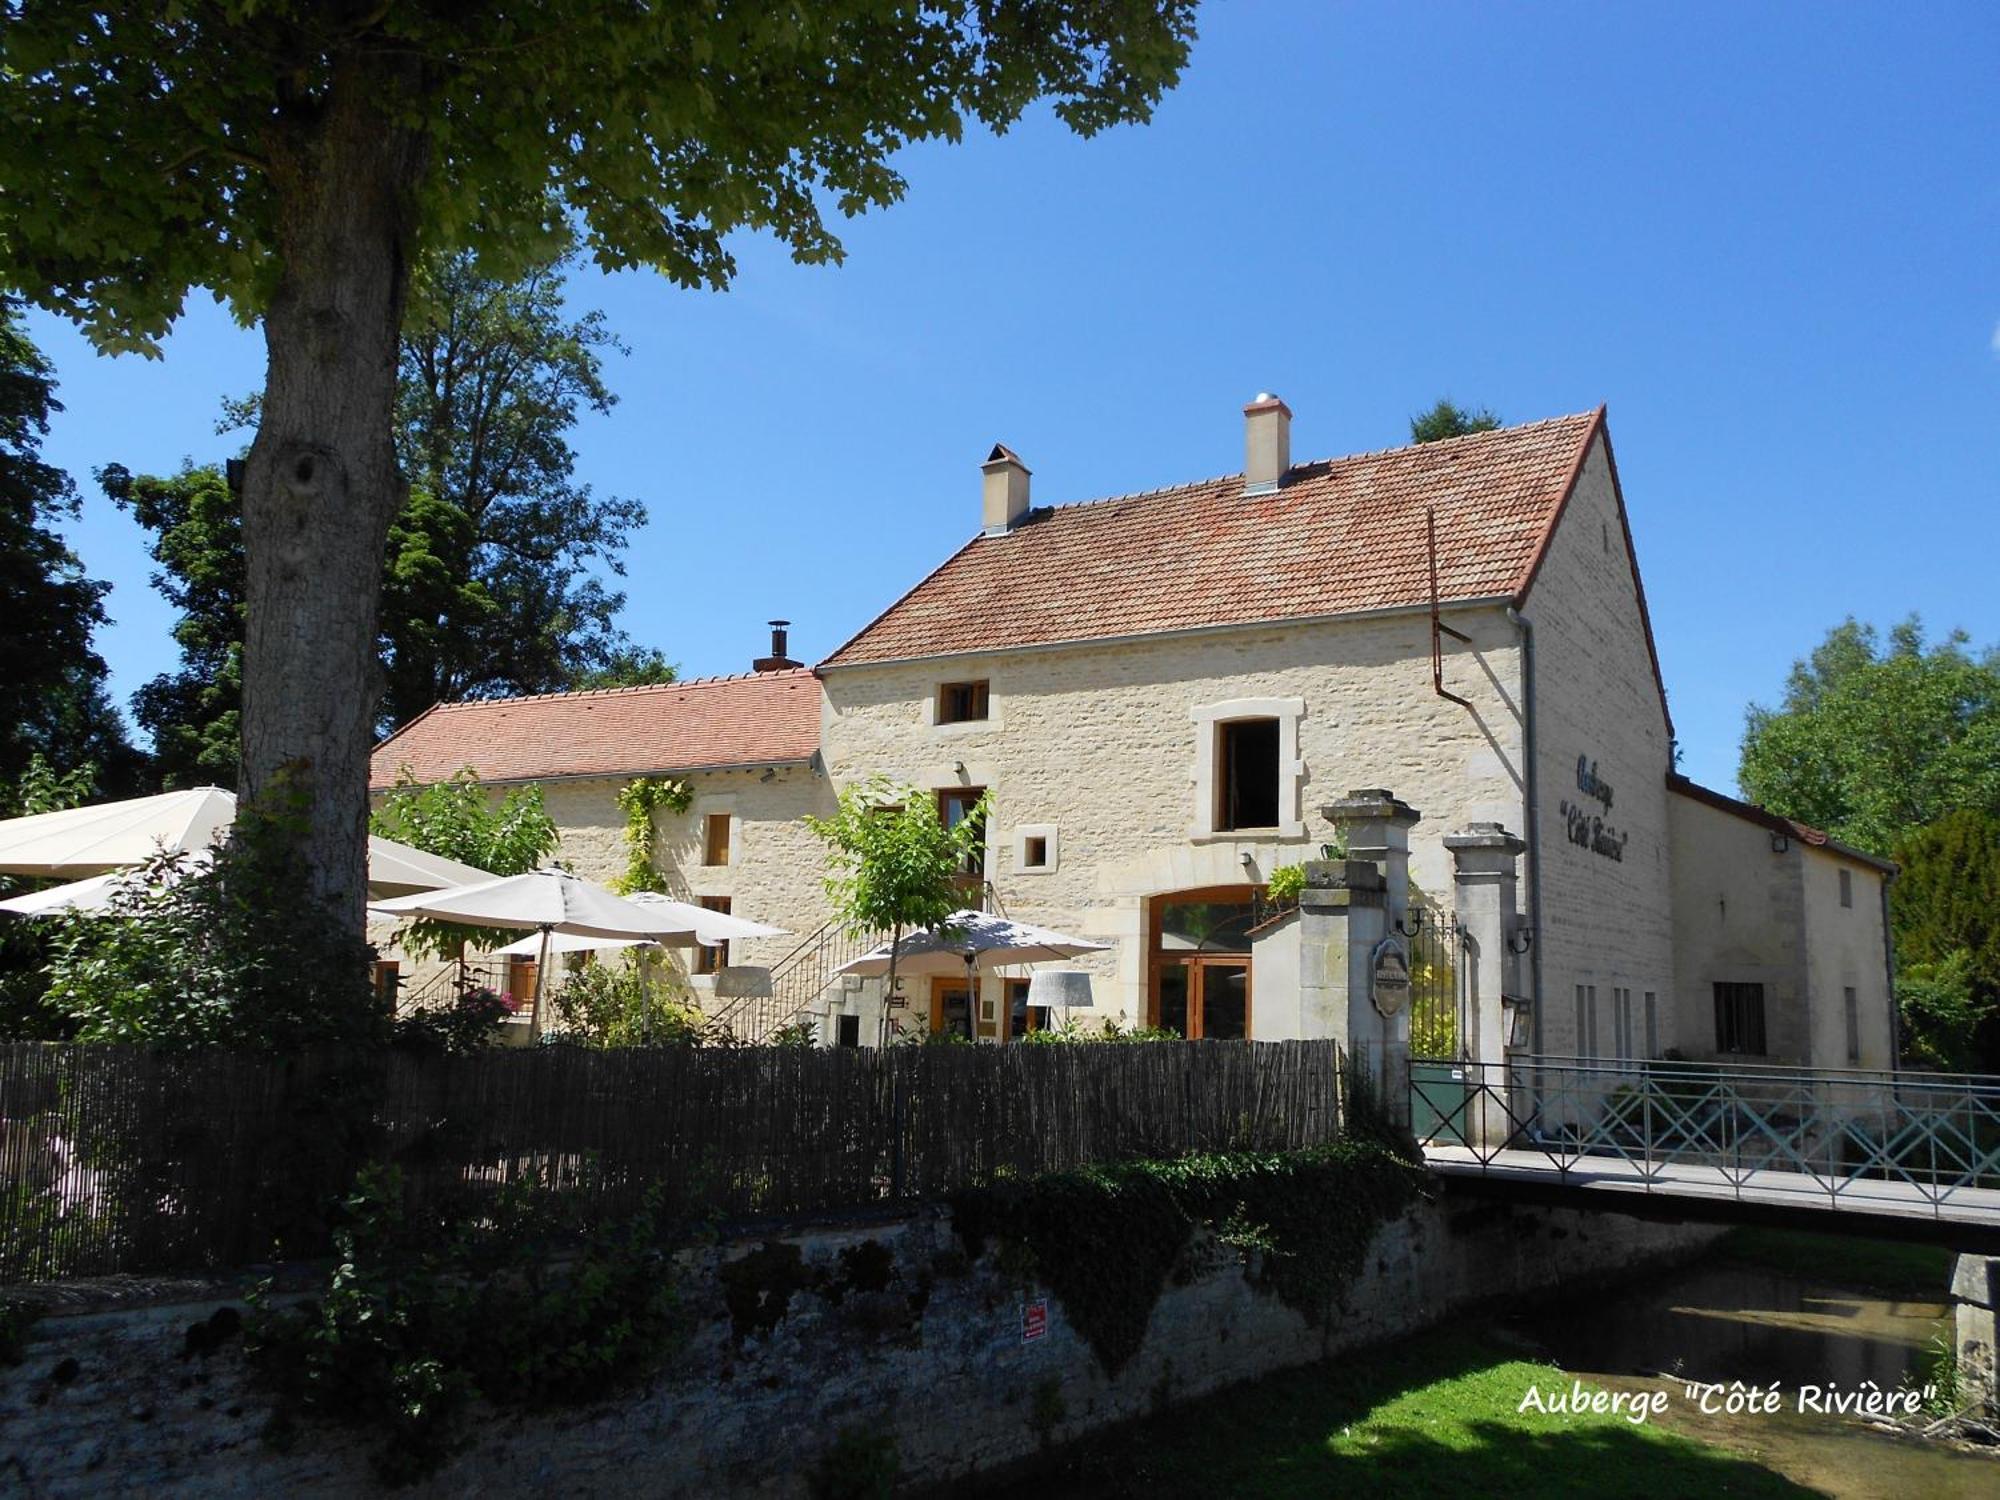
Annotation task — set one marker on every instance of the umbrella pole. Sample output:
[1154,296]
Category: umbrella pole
[971,1002]
[541,982]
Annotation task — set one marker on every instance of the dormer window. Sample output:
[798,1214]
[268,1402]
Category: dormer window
[961,702]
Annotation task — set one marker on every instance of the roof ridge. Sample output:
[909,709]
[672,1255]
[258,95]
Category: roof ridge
[1329,460]
[611,692]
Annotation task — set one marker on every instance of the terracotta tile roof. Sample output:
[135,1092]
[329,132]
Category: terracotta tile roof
[1340,536]
[1752,812]
[761,719]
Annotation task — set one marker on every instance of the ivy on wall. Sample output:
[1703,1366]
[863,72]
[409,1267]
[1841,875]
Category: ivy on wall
[1105,1240]
[641,800]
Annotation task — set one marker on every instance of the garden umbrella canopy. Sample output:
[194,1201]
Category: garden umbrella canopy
[568,942]
[113,835]
[709,927]
[393,870]
[971,939]
[102,840]
[550,900]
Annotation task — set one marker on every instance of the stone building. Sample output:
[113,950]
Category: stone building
[1163,691]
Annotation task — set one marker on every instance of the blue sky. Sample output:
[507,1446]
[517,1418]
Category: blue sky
[1766,235]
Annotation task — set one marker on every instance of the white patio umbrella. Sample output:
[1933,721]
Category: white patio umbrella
[709,927]
[114,835]
[549,901]
[108,837]
[972,941]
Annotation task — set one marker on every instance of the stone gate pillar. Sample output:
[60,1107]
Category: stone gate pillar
[1975,1294]
[1485,889]
[1343,917]
[1376,829]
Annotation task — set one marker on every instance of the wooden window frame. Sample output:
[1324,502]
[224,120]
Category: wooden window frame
[1159,959]
[711,847]
[974,696]
[711,958]
[975,872]
[1225,761]
[942,982]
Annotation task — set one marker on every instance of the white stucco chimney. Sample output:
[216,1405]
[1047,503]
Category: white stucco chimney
[1006,489]
[1267,444]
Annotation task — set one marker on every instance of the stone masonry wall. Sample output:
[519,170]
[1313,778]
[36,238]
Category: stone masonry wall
[775,867]
[907,1339]
[1604,923]
[1099,743]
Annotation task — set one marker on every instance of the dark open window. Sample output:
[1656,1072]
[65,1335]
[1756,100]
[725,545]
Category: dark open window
[1739,1019]
[959,702]
[847,1031]
[955,805]
[1246,790]
[1846,887]
[706,959]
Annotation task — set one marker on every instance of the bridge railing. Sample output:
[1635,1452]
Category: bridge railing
[1849,1130]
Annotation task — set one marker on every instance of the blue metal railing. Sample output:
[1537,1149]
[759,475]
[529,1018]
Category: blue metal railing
[1848,1131]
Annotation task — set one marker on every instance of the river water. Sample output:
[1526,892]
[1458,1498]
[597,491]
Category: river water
[1718,1322]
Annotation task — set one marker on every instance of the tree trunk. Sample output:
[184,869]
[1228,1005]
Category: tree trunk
[321,485]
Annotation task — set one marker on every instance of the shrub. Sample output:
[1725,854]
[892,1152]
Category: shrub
[410,1331]
[626,1005]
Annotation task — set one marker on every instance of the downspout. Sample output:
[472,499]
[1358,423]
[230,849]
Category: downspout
[1533,832]
[1889,961]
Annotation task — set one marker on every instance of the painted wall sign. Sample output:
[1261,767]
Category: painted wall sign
[1034,1320]
[1588,831]
[1590,783]
[1391,988]
[1583,824]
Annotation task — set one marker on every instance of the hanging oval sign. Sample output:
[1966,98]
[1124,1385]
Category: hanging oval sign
[1391,988]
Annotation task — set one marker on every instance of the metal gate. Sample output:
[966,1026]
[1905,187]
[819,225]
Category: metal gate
[1437,950]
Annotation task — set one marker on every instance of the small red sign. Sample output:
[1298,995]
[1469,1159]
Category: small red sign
[1034,1320]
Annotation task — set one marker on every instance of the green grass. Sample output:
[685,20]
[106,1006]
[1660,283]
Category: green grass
[1880,1265]
[1433,1417]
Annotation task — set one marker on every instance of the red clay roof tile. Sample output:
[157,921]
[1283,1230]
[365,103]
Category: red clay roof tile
[1340,536]
[764,718]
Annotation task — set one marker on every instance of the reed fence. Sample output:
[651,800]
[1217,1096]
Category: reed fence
[120,1160]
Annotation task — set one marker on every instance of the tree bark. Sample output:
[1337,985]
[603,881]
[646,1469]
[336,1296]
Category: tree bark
[321,485]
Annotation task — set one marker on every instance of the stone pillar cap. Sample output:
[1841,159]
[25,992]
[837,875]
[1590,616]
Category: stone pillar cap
[1370,802]
[1484,836]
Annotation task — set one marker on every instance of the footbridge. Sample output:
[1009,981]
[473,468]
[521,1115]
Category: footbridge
[1902,1155]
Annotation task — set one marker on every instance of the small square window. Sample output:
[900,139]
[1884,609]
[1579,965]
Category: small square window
[1846,887]
[961,702]
[1035,851]
[715,839]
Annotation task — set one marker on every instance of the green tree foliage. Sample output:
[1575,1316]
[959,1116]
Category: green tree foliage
[232,952]
[1875,739]
[485,588]
[1447,420]
[460,819]
[1945,908]
[298,159]
[488,590]
[193,713]
[53,701]
[25,945]
[892,864]
[1942,1012]
[638,1003]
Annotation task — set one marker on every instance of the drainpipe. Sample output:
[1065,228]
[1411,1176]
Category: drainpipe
[1889,960]
[1534,830]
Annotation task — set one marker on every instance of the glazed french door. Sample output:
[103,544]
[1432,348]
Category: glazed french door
[1203,996]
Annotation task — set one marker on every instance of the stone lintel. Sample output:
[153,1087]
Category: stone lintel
[1373,802]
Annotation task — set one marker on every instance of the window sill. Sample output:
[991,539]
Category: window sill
[1283,833]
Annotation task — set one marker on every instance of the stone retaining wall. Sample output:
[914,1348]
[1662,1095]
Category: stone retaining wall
[901,1335]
